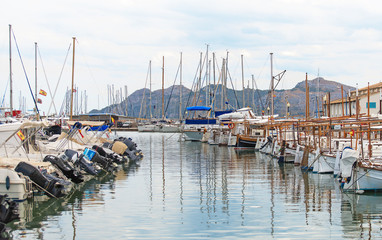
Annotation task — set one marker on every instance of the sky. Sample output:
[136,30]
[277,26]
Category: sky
[115,40]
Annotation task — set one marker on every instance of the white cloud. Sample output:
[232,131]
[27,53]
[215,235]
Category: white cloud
[116,40]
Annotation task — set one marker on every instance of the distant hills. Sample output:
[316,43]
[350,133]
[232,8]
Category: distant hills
[138,103]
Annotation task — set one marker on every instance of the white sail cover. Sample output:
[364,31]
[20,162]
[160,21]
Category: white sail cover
[349,157]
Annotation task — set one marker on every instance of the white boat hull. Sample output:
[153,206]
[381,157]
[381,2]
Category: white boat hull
[193,135]
[13,185]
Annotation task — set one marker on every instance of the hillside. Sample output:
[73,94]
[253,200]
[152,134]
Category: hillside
[318,87]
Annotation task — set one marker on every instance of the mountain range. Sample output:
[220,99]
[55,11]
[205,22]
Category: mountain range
[138,103]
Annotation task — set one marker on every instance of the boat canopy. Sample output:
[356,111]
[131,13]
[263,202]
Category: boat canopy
[198,108]
[87,123]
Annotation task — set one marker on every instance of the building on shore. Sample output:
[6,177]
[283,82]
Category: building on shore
[347,105]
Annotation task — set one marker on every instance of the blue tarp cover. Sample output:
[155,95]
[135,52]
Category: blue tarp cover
[198,108]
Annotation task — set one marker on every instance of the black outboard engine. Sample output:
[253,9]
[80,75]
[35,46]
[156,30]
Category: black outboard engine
[9,210]
[86,165]
[63,165]
[129,143]
[100,150]
[107,145]
[109,154]
[55,177]
[51,186]
[71,154]
[97,158]
[81,162]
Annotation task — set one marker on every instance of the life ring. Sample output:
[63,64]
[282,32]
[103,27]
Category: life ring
[231,125]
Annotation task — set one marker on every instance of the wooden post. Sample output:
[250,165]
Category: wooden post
[342,99]
[349,104]
[368,137]
[368,100]
[329,114]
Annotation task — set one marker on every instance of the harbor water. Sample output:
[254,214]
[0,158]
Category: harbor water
[192,190]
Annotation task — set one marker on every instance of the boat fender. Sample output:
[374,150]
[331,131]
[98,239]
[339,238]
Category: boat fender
[7,183]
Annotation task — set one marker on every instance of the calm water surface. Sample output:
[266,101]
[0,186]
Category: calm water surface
[197,191]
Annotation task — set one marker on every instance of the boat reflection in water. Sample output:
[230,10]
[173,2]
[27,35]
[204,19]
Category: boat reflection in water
[186,189]
[34,213]
[362,212]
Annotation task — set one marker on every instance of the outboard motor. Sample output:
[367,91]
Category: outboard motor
[51,186]
[134,156]
[109,154]
[97,158]
[86,165]
[107,145]
[63,165]
[129,143]
[9,210]
[55,177]
[71,154]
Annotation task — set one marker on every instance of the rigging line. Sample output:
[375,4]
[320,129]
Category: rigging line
[261,71]
[59,79]
[237,101]
[188,99]
[172,89]
[26,76]
[144,96]
[195,84]
[258,93]
[201,81]
[6,89]
[46,78]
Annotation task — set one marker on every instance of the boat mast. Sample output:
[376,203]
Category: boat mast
[207,84]
[272,86]
[10,71]
[35,77]
[163,89]
[222,88]
[307,112]
[71,91]
[213,65]
[180,91]
[242,79]
[253,92]
[151,114]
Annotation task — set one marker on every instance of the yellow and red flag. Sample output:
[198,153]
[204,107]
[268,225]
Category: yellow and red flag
[112,120]
[20,135]
[42,92]
[351,132]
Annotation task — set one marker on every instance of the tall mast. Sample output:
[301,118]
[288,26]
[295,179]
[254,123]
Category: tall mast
[35,77]
[71,91]
[207,85]
[213,65]
[272,86]
[180,91]
[307,97]
[225,80]
[242,79]
[10,71]
[222,88]
[163,89]
[35,70]
[253,92]
[151,114]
